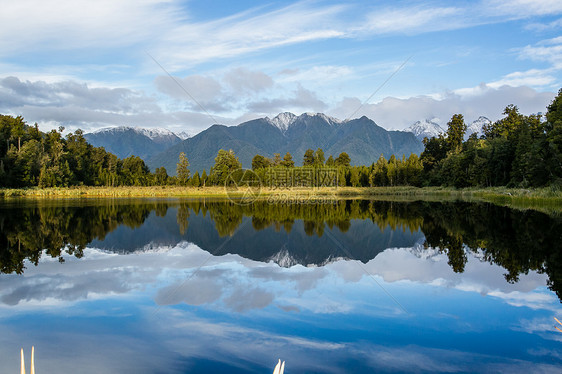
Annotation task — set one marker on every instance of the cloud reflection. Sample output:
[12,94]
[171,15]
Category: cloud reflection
[231,281]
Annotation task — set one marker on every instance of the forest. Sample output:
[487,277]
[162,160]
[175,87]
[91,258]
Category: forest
[516,151]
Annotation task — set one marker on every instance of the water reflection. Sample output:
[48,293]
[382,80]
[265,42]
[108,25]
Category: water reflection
[196,286]
[290,234]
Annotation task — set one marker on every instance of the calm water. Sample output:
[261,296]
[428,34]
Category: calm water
[178,286]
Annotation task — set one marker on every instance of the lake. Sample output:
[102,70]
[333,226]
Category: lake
[185,286]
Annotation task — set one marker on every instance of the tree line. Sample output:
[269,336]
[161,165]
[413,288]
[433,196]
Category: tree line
[515,151]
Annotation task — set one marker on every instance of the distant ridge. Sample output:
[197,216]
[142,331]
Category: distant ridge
[125,141]
[361,138]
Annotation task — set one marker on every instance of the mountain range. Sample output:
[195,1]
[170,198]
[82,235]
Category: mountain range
[126,141]
[361,138]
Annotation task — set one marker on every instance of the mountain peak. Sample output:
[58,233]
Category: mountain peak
[330,120]
[476,127]
[427,128]
[283,120]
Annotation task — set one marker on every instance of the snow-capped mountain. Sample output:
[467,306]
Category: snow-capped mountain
[430,128]
[476,127]
[285,120]
[427,128]
[125,141]
[183,135]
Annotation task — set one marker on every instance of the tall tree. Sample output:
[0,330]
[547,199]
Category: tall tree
[161,176]
[455,132]
[260,162]
[308,159]
[319,157]
[182,169]
[288,161]
[276,159]
[226,163]
[343,160]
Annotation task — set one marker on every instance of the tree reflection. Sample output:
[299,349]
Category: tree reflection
[518,241]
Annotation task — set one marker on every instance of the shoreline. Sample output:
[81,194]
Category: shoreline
[545,199]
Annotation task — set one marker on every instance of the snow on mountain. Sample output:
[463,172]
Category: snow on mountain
[283,120]
[183,135]
[153,134]
[330,120]
[426,128]
[476,127]
[284,259]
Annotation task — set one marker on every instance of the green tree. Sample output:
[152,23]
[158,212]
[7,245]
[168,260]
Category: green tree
[288,161]
[260,162]
[554,135]
[319,158]
[196,180]
[330,161]
[182,169]
[276,159]
[506,127]
[161,176]
[135,172]
[308,159]
[455,132]
[226,163]
[204,178]
[343,160]
[379,174]
[18,129]
[28,163]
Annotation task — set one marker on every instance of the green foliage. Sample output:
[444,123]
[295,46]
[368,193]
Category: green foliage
[319,157]
[288,161]
[196,180]
[226,163]
[308,158]
[343,160]
[161,176]
[182,169]
[455,132]
[260,162]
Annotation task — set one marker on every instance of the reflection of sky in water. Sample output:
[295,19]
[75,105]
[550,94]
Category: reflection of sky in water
[183,310]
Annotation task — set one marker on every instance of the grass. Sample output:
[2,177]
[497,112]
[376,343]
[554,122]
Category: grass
[544,199]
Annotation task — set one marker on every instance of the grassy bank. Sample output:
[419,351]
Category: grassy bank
[545,199]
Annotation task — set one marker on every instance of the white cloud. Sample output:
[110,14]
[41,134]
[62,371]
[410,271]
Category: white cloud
[79,24]
[549,51]
[413,19]
[530,78]
[545,26]
[242,80]
[523,8]
[483,100]
[301,99]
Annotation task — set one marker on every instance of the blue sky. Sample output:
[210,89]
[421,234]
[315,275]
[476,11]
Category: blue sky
[84,64]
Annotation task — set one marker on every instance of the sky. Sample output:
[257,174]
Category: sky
[185,65]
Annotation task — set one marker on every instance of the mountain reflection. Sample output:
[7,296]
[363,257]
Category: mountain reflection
[289,234]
